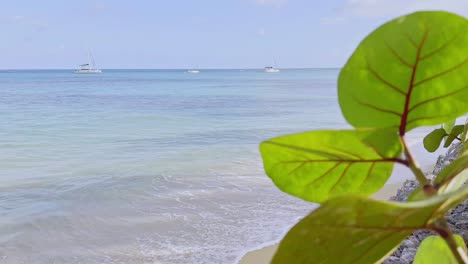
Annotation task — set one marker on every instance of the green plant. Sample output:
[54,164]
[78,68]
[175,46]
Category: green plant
[410,72]
[448,131]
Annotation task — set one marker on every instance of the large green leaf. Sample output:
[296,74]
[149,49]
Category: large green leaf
[410,72]
[320,164]
[432,140]
[434,249]
[356,229]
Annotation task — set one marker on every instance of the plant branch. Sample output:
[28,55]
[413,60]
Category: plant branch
[414,166]
[446,233]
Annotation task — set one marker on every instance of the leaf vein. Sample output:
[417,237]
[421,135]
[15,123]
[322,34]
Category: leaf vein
[442,47]
[297,168]
[398,56]
[380,78]
[411,40]
[369,172]
[404,116]
[310,151]
[458,66]
[324,174]
[436,98]
[346,161]
[423,118]
[343,174]
[379,109]
[346,152]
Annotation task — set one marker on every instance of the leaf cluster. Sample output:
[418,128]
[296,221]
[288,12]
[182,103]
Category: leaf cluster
[410,72]
[448,132]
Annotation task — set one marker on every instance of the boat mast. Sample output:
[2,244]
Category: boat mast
[91,60]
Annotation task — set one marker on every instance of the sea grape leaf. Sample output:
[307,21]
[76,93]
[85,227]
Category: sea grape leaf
[448,126]
[410,72]
[434,249]
[454,133]
[318,165]
[454,175]
[432,140]
[463,136]
[356,229]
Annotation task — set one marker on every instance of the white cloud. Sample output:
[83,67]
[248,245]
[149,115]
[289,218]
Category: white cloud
[392,8]
[274,3]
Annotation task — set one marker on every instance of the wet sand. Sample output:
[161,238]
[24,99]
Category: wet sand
[264,255]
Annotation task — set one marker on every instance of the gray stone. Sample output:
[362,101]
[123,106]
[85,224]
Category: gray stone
[444,160]
[392,260]
[402,194]
[407,256]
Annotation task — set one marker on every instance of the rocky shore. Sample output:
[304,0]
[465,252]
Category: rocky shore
[457,218]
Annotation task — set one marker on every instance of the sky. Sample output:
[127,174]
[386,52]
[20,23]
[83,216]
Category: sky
[169,34]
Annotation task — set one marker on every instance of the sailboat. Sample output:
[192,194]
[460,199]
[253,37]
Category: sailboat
[89,67]
[270,69]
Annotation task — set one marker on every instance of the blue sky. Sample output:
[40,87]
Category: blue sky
[189,33]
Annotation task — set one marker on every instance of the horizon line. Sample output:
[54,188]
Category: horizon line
[58,69]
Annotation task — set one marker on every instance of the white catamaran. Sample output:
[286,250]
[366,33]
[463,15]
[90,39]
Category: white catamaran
[272,69]
[89,67]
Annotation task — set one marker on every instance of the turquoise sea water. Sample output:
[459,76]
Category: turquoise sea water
[149,166]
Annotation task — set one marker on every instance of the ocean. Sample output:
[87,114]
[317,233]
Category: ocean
[149,166]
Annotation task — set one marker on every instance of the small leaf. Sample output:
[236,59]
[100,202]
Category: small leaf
[318,165]
[356,229]
[434,249]
[409,72]
[432,140]
[456,130]
[463,136]
[454,175]
[448,126]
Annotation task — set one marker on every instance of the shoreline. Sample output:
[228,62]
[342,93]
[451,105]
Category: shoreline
[264,253]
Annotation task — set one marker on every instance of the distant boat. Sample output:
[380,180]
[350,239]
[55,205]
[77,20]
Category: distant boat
[89,67]
[271,69]
[193,71]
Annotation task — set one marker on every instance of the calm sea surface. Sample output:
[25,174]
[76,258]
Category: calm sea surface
[149,166]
